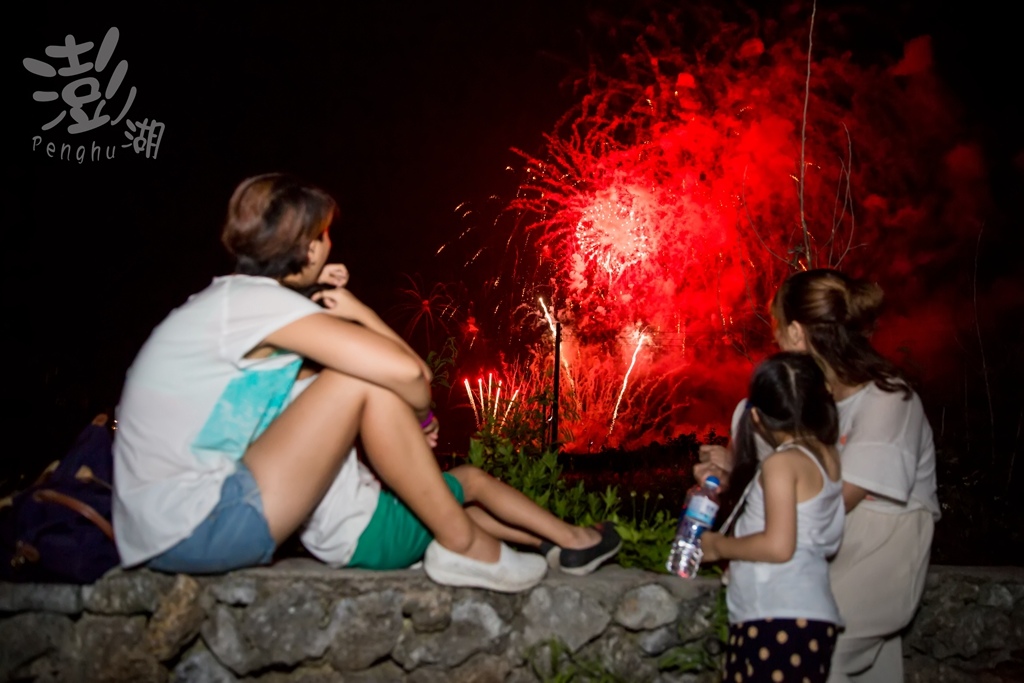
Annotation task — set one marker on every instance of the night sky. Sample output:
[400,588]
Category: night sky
[402,112]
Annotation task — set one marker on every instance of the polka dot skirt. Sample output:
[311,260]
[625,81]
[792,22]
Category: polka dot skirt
[779,650]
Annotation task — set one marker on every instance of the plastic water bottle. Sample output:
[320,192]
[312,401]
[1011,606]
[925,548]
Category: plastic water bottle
[698,514]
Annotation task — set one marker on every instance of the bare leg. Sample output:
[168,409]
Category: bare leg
[515,509]
[295,460]
[483,519]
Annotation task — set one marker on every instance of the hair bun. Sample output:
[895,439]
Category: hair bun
[863,304]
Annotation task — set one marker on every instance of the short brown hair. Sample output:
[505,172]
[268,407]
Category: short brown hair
[271,221]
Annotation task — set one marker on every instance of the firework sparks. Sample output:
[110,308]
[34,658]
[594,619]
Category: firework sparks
[472,403]
[508,407]
[486,406]
[547,316]
[480,387]
[612,231]
[641,338]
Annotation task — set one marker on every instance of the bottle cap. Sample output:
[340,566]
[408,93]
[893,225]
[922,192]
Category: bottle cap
[712,481]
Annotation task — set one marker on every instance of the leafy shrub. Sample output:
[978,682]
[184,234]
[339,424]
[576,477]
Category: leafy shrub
[514,450]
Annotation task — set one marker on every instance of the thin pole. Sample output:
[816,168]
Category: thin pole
[554,402]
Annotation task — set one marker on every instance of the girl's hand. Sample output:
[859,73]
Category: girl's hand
[714,461]
[719,456]
[334,274]
[340,302]
[709,544]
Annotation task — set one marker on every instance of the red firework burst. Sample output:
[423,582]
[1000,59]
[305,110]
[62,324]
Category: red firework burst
[672,201]
[428,311]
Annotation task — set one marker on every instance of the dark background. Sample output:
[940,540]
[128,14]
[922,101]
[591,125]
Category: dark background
[401,110]
[401,113]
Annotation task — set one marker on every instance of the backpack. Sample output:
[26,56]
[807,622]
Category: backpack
[58,530]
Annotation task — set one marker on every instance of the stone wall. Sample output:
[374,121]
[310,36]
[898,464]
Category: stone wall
[970,627]
[299,621]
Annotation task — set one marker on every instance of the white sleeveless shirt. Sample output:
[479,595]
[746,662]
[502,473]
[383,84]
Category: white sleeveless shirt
[799,588]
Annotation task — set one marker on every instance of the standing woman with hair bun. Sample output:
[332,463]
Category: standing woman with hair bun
[888,468]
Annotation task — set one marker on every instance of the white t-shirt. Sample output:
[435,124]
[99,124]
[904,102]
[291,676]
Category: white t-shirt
[885,446]
[333,530]
[191,405]
[887,449]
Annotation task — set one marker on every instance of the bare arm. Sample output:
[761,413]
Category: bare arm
[343,304]
[852,495]
[777,542]
[357,351]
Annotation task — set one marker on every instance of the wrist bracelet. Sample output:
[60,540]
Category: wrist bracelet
[429,418]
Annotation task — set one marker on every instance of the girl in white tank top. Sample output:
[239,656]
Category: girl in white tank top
[783,618]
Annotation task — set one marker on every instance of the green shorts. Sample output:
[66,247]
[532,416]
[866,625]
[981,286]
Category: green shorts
[395,538]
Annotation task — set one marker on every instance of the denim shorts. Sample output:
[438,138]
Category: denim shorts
[234,535]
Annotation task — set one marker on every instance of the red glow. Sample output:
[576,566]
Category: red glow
[668,205]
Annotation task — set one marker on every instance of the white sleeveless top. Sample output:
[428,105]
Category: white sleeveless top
[799,588]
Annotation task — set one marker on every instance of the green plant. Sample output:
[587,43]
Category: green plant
[513,449]
[646,536]
[442,362]
[539,477]
[720,613]
[524,422]
[512,445]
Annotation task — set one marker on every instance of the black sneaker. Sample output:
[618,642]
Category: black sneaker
[585,560]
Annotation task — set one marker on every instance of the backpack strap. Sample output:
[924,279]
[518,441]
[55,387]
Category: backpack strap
[84,509]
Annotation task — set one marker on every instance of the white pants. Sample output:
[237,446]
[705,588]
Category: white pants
[877,578]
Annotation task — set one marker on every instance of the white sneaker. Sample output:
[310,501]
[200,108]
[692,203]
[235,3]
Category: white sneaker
[512,573]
